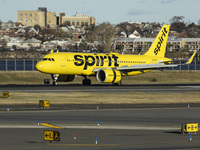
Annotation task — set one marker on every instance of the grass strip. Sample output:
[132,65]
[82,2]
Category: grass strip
[99,98]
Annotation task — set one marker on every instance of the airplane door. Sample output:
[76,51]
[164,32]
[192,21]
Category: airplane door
[63,62]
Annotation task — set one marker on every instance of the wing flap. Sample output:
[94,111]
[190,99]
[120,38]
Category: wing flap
[145,67]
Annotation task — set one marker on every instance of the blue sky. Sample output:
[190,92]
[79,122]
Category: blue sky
[113,11]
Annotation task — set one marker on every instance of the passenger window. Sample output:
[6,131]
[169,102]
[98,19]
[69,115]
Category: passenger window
[53,59]
[49,59]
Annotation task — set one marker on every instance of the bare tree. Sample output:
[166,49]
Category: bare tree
[0,24]
[90,33]
[105,33]
[177,24]
[198,22]
[83,45]
[3,43]
[61,33]
[126,27]
[176,19]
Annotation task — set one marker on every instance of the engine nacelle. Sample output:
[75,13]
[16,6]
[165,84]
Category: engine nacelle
[108,76]
[63,78]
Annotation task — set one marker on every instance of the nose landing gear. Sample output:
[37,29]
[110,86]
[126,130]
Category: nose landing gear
[55,78]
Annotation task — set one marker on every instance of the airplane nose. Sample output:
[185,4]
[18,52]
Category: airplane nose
[39,66]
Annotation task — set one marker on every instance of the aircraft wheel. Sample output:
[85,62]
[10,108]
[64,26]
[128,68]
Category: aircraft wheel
[119,83]
[55,83]
[86,82]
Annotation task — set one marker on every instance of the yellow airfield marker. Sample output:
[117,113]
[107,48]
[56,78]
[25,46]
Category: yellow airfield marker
[51,126]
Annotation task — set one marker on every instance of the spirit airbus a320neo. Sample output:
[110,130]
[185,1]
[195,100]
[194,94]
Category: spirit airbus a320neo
[108,68]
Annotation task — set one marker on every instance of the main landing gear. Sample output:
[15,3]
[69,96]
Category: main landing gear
[119,83]
[86,81]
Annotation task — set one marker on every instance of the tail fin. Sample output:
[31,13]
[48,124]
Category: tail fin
[158,47]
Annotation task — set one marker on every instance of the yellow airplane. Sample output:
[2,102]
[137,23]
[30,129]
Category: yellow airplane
[108,68]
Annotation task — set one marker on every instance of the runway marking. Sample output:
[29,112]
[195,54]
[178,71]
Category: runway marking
[136,92]
[86,145]
[51,126]
[104,127]
[97,90]
[94,127]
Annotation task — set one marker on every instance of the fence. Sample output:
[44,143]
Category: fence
[18,64]
[29,65]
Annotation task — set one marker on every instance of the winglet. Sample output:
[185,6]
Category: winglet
[52,51]
[191,58]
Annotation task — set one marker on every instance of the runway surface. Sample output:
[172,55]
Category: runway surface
[119,128]
[148,88]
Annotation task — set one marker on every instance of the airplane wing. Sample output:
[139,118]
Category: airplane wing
[159,66]
[144,67]
[186,62]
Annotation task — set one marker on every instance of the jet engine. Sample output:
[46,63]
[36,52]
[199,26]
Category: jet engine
[108,76]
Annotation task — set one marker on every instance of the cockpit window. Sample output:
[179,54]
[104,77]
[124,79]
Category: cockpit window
[48,59]
[44,59]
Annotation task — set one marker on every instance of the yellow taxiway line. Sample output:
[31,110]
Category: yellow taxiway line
[50,125]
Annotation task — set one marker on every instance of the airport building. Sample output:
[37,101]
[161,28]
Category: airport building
[77,20]
[143,44]
[45,18]
[41,17]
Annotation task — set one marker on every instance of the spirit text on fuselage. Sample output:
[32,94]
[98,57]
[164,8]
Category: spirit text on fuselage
[96,60]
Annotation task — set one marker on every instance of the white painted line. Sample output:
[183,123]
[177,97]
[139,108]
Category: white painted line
[114,127]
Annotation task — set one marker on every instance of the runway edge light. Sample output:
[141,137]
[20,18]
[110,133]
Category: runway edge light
[190,137]
[74,136]
[8,108]
[96,140]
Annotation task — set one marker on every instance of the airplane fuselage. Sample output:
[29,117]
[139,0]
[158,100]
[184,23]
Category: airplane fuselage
[85,63]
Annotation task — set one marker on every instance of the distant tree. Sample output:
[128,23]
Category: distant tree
[3,44]
[0,23]
[10,21]
[83,45]
[120,48]
[48,26]
[126,27]
[37,27]
[176,19]
[61,33]
[192,25]
[90,33]
[105,32]
[47,34]
[177,23]
[64,24]
[198,22]
[178,26]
